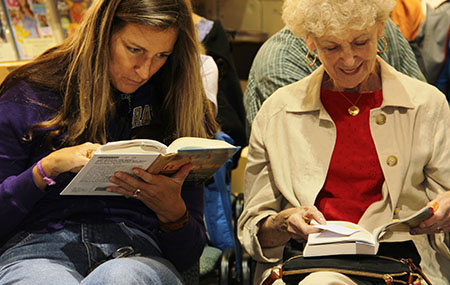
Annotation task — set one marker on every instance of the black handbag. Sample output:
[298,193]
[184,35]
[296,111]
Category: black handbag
[373,269]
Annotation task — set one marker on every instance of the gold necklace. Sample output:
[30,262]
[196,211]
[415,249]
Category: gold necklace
[353,110]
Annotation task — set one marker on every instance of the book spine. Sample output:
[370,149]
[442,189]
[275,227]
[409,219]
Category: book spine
[55,23]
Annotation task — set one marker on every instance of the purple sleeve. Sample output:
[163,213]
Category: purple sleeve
[18,194]
[184,247]
[18,191]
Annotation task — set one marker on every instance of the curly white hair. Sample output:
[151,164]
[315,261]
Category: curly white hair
[333,17]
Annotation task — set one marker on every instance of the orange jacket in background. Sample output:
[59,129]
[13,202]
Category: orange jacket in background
[408,15]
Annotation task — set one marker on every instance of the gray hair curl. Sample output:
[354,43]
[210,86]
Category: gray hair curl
[333,17]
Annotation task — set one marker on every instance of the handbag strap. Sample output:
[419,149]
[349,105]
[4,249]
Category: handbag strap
[275,273]
[419,271]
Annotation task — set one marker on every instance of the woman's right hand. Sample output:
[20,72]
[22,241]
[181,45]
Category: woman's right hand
[64,160]
[292,223]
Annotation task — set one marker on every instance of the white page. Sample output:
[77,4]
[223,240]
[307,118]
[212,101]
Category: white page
[338,229]
[94,176]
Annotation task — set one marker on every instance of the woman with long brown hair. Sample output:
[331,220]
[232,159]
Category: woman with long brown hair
[131,71]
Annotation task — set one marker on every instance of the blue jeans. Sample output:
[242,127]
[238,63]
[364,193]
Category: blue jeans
[66,256]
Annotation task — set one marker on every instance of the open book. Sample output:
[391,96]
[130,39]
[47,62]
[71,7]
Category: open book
[340,237]
[206,155]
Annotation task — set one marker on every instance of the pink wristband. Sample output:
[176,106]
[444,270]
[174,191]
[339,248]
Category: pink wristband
[41,172]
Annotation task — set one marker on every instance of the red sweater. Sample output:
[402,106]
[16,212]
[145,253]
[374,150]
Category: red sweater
[354,178]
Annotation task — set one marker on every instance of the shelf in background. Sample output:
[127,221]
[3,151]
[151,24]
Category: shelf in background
[7,67]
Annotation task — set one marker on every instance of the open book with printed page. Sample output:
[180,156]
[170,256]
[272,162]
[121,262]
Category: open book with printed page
[206,156]
[341,237]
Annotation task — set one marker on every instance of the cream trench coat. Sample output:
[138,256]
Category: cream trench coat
[292,141]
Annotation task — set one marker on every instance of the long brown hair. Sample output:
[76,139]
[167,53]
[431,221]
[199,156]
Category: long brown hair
[78,69]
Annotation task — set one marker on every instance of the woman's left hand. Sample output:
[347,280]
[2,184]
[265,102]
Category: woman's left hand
[160,193]
[440,221]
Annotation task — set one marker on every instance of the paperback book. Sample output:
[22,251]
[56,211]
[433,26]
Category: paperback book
[206,156]
[341,237]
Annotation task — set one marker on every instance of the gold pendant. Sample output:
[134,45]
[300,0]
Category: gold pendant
[353,110]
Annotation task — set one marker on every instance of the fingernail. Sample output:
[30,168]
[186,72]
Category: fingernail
[135,171]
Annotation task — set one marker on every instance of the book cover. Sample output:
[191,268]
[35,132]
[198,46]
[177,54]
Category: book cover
[206,156]
[341,237]
[70,14]
[31,29]
[8,50]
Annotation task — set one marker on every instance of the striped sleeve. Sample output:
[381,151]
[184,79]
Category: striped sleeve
[279,62]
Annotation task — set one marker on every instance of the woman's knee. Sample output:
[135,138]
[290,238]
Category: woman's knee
[134,270]
[38,271]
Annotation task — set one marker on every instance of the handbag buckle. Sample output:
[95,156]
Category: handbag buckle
[275,273]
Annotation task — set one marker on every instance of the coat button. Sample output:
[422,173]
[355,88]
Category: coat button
[380,119]
[392,160]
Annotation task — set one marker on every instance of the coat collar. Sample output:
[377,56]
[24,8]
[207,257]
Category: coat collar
[394,92]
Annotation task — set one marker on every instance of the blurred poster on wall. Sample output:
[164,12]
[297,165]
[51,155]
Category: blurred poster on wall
[70,13]
[31,30]
[8,50]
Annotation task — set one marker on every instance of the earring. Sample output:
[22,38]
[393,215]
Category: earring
[385,45]
[307,59]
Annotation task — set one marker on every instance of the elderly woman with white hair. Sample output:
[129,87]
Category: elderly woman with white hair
[355,141]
